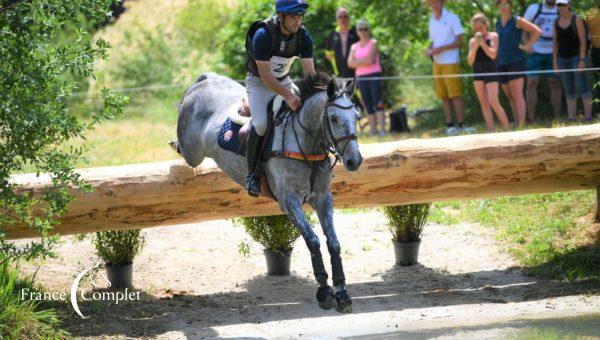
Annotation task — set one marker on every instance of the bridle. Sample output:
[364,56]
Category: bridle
[331,143]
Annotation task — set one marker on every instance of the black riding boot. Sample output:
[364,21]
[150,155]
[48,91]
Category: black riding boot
[253,143]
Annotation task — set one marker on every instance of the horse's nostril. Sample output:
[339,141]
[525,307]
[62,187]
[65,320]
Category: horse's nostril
[350,163]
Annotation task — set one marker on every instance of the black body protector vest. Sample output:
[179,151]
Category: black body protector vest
[284,51]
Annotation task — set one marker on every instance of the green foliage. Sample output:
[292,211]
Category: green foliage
[118,248]
[22,318]
[406,222]
[154,63]
[545,232]
[36,124]
[276,232]
[244,248]
[200,21]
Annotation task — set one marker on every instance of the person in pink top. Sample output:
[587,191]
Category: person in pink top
[364,58]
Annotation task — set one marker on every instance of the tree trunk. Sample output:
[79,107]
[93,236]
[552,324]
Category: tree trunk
[395,173]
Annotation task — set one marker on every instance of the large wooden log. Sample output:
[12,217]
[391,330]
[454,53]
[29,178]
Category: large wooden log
[408,171]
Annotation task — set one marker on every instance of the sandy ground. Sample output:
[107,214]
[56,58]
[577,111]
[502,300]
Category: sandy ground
[193,283]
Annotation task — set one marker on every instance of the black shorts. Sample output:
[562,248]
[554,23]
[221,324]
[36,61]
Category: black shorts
[519,66]
[486,66]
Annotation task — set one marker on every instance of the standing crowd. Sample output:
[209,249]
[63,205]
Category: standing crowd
[549,41]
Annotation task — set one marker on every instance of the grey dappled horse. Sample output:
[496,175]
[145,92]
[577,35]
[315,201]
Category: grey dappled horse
[327,120]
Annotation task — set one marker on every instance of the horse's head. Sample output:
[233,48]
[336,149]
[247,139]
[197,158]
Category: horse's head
[340,119]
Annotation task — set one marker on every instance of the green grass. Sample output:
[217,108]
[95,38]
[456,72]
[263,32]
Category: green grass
[140,135]
[24,318]
[550,234]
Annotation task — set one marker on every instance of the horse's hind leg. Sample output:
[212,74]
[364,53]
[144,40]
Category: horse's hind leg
[292,205]
[323,205]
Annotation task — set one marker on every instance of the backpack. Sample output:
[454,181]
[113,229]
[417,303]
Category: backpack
[540,8]
[538,12]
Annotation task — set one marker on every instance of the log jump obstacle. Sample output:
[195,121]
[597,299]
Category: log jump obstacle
[394,173]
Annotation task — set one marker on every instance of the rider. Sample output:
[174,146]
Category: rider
[272,45]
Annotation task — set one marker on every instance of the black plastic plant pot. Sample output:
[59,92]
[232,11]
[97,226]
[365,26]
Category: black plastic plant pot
[407,253]
[120,276]
[278,263]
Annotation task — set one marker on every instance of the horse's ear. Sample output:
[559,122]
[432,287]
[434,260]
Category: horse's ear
[350,88]
[331,89]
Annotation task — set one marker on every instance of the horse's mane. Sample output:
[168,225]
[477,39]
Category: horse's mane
[311,85]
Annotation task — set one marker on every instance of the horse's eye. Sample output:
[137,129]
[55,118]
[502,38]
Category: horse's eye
[333,119]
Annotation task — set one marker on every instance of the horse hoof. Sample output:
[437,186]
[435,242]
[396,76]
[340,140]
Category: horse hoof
[325,297]
[344,302]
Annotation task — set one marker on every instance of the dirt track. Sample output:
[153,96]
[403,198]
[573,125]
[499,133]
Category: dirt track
[194,284]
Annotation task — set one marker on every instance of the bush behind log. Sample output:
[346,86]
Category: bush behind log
[406,222]
[118,248]
[275,232]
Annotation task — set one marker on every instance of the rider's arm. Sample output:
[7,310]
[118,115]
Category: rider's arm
[308,65]
[264,69]
[306,54]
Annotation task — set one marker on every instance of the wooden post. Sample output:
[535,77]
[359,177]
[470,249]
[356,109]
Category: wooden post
[597,218]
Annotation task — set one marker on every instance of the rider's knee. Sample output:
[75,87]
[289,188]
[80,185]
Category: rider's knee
[259,127]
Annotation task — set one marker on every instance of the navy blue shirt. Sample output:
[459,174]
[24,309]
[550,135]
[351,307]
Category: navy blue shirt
[261,45]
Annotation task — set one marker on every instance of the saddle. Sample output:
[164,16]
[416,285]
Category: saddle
[240,115]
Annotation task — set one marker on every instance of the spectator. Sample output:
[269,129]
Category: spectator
[593,22]
[338,44]
[483,50]
[543,15]
[570,52]
[445,34]
[511,56]
[337,48]
[364,58]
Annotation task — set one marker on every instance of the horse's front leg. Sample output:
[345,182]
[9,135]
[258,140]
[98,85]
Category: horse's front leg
[323,205]
[292,205]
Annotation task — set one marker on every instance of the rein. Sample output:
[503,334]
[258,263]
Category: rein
[330,145]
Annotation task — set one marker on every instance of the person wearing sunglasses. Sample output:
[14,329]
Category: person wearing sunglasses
[570,52]
[512,60]
[337,45]
[272,46]
[364,58]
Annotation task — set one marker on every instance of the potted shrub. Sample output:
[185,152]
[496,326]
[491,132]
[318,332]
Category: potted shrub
[117,249]
[277,234]
[406,224]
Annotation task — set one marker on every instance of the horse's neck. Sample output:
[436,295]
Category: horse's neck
[309,125]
